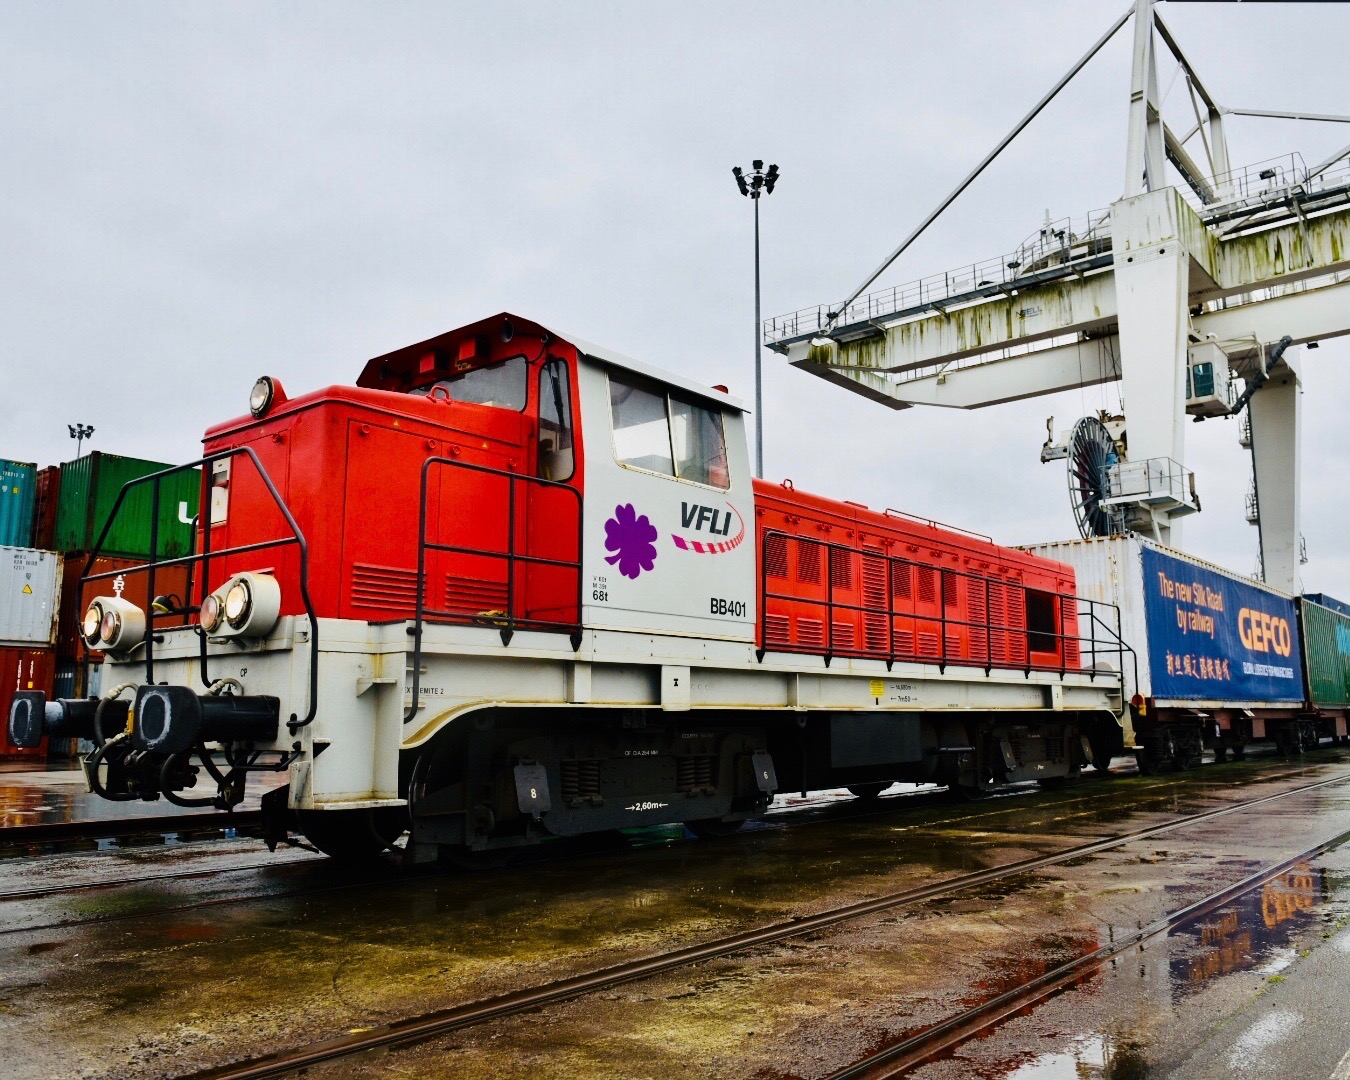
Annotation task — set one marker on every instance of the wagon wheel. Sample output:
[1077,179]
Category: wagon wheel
[868,791]
[1287,741]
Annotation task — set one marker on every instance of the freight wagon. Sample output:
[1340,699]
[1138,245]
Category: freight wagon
[1218,658]
[512,586]
[1325,626]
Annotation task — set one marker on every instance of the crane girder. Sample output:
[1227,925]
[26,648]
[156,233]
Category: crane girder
[1237,284]
[1318,313]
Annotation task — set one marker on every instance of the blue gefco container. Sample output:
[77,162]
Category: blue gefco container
[18,493]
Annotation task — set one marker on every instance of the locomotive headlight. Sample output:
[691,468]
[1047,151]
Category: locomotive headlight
[113,624]
[237,602]
[260,397]
[212,613]
[91,624]
[251,604]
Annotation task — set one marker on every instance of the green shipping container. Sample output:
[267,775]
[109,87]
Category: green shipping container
[89,488]
[18,491]
[1326,643]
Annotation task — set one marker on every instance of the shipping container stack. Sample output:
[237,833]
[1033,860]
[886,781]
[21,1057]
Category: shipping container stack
[88,489]
[30,581]
[50,520]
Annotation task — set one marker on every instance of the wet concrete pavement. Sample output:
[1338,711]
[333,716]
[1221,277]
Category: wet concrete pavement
[32,796]
[146,983]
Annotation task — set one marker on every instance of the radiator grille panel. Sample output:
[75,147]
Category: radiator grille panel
[775,556]
[384,587]
[471,597]
[776,630]
[808,562]
[811,632]
[841,569]
[927,584]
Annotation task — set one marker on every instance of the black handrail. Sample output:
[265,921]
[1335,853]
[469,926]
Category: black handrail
[1082,608]
[297,537]
[510,555]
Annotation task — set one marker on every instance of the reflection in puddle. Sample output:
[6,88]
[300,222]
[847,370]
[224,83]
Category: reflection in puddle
[1251,933]
[1107,1056]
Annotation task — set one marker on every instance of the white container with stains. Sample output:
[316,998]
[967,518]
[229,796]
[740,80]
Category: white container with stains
[30,594]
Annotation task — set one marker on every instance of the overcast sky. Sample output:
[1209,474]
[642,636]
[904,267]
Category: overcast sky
[192,195]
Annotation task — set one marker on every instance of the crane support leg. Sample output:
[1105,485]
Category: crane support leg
[1275,412]
[1152,289]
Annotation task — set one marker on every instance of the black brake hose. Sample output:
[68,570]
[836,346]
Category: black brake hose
[99,737]
[164,785]
[95,759]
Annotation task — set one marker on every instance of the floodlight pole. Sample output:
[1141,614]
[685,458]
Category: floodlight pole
[80,432]
[758,182]
[759,359]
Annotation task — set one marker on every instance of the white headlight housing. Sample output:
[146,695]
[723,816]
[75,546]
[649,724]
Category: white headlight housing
[212,615]
[113,624]
[260,397]
[248,605]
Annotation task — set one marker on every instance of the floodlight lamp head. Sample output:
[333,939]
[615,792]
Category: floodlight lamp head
[740,179]
[758,164]
[770,178]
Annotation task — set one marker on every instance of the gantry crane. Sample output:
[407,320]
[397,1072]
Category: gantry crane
[1183,292]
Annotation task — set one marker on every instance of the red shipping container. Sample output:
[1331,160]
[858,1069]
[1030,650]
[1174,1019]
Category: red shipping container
[23,669]
[44,512]
[169,580]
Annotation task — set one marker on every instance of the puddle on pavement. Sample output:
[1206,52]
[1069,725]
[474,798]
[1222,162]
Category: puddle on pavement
[1087,1056]
[1261,933]
[1253,933]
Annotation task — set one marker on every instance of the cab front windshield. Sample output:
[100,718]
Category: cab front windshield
[504,385]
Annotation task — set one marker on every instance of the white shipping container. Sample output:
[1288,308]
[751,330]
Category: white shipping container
[1111,570]
[30,595]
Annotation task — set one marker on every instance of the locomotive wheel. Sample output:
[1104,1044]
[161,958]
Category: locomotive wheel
[1101,762]
[1287,742]
[353,835]
[713,828]
[868,791]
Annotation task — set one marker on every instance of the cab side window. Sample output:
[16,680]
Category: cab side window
[641,431]
[665,433]
[556,457]
[700,447]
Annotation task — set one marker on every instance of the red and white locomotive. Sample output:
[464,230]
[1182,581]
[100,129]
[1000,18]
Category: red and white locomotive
[512,585]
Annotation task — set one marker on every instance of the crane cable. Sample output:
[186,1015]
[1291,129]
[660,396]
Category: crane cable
[1017,130]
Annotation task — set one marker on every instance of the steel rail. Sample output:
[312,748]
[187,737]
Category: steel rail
[443,1021]
[50,832]
[903,1056]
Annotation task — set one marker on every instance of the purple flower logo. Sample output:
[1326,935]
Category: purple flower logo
[630,537]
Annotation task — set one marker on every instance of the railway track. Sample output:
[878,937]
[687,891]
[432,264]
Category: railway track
[843,812]
[901,1057]
[52,832]
[433,1024]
